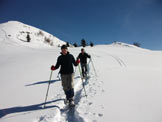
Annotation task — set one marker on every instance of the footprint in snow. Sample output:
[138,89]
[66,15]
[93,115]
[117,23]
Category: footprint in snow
[94,121]
[100,115]
[90,103]
[86,113]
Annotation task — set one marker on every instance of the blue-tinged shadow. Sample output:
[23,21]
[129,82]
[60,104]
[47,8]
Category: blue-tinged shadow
[18,109]
[77,77]
[43,82]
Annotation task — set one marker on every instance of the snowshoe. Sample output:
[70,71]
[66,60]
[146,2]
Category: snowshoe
[71,103]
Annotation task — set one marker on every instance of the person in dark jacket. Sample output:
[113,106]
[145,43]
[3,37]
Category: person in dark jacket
[66,61]
[83,60]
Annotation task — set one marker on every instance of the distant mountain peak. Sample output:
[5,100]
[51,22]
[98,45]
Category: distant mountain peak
[124,44]
[19,32]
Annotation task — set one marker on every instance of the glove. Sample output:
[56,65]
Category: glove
[77,61]
[53,67]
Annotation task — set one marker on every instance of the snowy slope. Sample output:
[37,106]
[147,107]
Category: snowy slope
[127,88]
[17,33]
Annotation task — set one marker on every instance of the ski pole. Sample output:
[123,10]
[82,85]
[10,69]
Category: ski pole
[93,67]
[48,88]
[89,61]
[88,68]
[82,80]
[75,70]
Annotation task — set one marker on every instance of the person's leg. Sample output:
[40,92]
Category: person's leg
[83,72]
[68,86]
[85,69]
[71,86]
[64,79]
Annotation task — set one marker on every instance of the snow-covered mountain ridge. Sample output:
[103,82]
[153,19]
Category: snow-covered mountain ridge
[17,32]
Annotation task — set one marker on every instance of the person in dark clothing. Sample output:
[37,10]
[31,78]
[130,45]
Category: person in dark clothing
[66,61]
[83,60]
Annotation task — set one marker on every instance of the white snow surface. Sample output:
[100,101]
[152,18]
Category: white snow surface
[127,87]
[17,33]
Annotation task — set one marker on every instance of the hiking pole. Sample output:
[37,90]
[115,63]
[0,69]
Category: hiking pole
[75,70]
[48,88]
[89,61]
[93,67]
[88,68]
[82,80]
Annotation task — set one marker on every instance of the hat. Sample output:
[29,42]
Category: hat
[82,49]
[63,47]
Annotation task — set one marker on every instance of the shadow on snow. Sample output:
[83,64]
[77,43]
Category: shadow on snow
[43,82]
[72,114]
[18,109]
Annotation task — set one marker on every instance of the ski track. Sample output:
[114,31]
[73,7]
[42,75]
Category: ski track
[119,60]
[71,115]
[63,113]
[116,58]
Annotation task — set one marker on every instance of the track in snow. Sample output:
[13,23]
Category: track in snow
[65,114]
[120,61]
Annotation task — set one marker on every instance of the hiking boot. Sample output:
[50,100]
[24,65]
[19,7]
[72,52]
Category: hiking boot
[71,102]
[66,101]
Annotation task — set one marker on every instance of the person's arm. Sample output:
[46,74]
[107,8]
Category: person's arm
[78,56]
[75,62]
[57,64]
[88,55]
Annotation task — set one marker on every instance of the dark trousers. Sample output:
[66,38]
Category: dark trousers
[68,85]
[69,94]
[84,69]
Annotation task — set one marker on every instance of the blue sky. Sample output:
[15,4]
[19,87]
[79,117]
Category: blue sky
[99,21]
